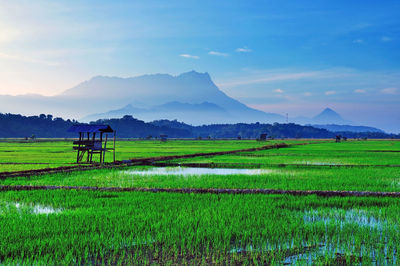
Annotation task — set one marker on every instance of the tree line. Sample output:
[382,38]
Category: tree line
[46,126]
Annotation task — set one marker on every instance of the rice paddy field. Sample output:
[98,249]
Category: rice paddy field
[17,155]
[65,225]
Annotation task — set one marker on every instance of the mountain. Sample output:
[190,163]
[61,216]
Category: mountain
[330,120]
[191,97]
[148,97]
[202,113]
[328,116]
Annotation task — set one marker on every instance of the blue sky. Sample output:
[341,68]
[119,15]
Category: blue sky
[278,56]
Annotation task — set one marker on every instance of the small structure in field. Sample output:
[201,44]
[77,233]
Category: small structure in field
[92,141]
[163,137]
[263,137]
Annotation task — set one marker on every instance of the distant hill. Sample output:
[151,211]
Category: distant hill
[328,116]
[330,120]
[338,128]
[195,113]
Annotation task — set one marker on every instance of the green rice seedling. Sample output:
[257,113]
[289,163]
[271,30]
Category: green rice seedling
[134,227]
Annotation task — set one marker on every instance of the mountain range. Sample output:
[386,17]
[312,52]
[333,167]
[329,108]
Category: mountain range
[160,96]
[190,97]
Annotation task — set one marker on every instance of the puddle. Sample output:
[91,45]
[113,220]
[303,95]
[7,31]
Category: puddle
[197,171]
[337,250]
[315,254]
[344,217]
[31,208]
[319,163]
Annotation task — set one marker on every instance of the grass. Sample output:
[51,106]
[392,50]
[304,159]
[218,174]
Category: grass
[94,227]
[345,153]
[172,228]
[17,156]
[289,178]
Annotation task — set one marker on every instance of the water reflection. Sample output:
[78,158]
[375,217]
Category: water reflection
[198,171]
[31,208]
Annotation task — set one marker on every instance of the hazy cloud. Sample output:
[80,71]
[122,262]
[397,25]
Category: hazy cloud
[360,91]
[217,53]
[269,77]
[278,91]
[243,50]
[189,56]
[359,41]
[386,39]
[330,92]
[390,91]
[307,94]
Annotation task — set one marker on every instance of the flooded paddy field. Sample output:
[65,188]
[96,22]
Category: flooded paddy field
[138,227]
[178,228]
[287,178]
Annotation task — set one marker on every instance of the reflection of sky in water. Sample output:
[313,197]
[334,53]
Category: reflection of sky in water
[343,217]
[198,171]
[318,163]
[34,209]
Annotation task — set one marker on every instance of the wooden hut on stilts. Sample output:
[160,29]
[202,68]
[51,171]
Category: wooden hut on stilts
[92,140]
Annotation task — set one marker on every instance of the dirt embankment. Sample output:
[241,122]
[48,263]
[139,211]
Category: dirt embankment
[321,193]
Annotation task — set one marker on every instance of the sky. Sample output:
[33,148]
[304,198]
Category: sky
[283,56]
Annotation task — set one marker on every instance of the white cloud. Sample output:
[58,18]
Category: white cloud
[217,53]
[307,94]
[278,91]
[243,50]
[189,56]
[391,91]
[275,75]
[330,92]
[386,39]
[269,77]
[358,41]
[360,91]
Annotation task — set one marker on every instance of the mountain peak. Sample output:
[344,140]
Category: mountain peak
[194,75]
[328,116]
[327,109]
[328,112]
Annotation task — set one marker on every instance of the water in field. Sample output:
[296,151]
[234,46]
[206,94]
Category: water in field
[346,217]
[319,163]
[186,171]
[30,208]
[335,251]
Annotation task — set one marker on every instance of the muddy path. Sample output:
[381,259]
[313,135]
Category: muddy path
[137,161]
[14,163]
[321,193]
[263,165]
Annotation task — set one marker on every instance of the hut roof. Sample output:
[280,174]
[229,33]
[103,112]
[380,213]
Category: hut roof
[84,128]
